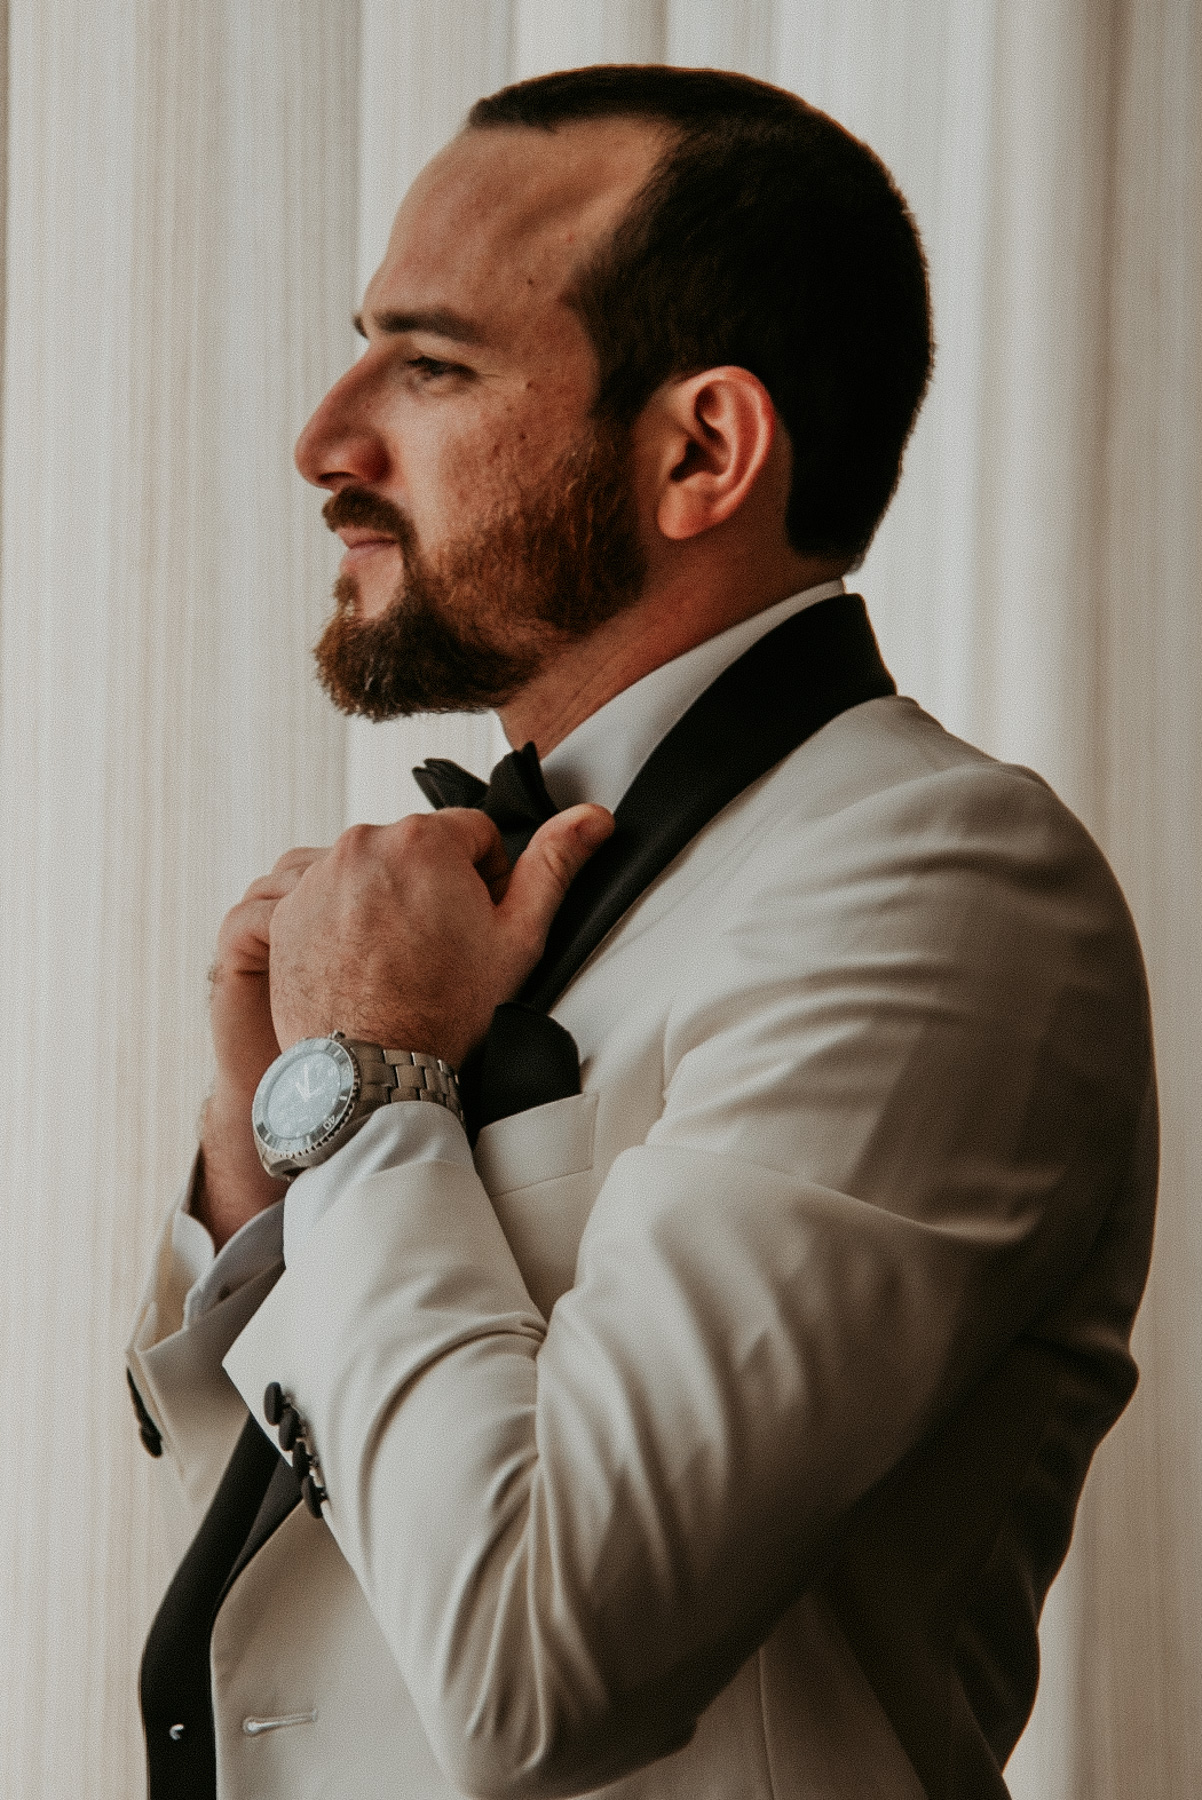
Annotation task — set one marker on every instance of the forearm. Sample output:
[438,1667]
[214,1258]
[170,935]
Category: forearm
[610,1507]
[880,1158]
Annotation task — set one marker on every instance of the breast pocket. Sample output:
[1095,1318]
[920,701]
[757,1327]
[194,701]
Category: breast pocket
[538,1169]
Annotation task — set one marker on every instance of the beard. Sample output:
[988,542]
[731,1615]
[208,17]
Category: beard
[468,630]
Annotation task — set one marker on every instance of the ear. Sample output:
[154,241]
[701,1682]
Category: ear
[713,433]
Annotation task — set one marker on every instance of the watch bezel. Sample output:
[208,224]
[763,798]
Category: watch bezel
[281,1150]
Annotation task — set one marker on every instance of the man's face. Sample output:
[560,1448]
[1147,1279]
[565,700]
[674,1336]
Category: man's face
[487,516]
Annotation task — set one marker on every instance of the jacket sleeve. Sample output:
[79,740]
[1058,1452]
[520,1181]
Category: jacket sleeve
[176,1368]
[902,1082]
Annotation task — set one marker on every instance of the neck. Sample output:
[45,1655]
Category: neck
[578,678]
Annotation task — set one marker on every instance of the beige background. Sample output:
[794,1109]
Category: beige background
[196,191]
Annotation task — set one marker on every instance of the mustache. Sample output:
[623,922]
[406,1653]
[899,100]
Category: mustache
[358,506]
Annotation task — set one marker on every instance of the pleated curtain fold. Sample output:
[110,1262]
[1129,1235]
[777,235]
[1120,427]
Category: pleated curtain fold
[196,192]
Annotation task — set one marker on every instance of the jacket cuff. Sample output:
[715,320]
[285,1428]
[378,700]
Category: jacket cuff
[403,1133]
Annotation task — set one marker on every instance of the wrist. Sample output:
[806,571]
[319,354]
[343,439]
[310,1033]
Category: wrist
[232,1184]
[320,1091]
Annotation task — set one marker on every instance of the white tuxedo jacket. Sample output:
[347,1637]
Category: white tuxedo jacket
[718,1434]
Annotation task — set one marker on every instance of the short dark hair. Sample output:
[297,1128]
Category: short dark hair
[768,237]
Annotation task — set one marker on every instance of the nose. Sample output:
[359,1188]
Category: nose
[342,442]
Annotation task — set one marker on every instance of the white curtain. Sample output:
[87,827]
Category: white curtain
[196,191]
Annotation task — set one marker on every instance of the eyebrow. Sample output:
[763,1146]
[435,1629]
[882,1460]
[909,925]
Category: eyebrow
[440,321]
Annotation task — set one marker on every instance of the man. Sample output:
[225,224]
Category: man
[708,1417]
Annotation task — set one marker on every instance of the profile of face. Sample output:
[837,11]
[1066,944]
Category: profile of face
[487,515]
[468,629]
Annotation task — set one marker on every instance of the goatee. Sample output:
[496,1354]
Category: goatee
[467,631]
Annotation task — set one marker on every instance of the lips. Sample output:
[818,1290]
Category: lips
[361,546]
[368,525]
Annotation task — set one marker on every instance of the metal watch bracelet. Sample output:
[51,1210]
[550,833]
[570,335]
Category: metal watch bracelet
[389,1075]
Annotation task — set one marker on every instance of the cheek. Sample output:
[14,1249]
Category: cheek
[476,475]
[448,460]
[459,470]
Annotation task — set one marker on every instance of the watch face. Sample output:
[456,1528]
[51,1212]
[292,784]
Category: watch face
[304,1096]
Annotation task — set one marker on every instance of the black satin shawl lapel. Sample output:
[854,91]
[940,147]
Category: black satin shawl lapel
[283,1495]
[791,682]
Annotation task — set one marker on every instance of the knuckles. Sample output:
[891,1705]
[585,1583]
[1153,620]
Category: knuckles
[353,846]
[411,835]
[390,928]
[243,923]
[299,858]
[361,846]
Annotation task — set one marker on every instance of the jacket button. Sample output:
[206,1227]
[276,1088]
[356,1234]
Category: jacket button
[273,1402]
[176,1732]
[289,1427]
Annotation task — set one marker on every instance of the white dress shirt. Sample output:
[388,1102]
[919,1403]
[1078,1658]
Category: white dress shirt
[597,762]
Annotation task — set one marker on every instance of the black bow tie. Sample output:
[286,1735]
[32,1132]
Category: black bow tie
[527,1059]
[514,797]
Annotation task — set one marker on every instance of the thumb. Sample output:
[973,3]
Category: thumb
[547,868]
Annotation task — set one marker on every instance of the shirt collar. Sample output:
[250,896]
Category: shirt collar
[599,760]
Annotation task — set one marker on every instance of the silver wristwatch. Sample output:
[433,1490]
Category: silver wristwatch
[318,1093]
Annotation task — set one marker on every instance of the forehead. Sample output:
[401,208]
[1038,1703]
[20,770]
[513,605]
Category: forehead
[495,226]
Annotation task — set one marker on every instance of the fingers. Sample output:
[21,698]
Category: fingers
[550,863]
[242,943]
[299,858]
[464,831]
[284,875]
[465,826]
[492,865]
[471,830]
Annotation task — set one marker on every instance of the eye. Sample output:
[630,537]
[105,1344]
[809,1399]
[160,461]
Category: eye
[430,368]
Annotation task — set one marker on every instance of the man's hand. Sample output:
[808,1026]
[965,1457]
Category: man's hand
[410,935]
[234,1184]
